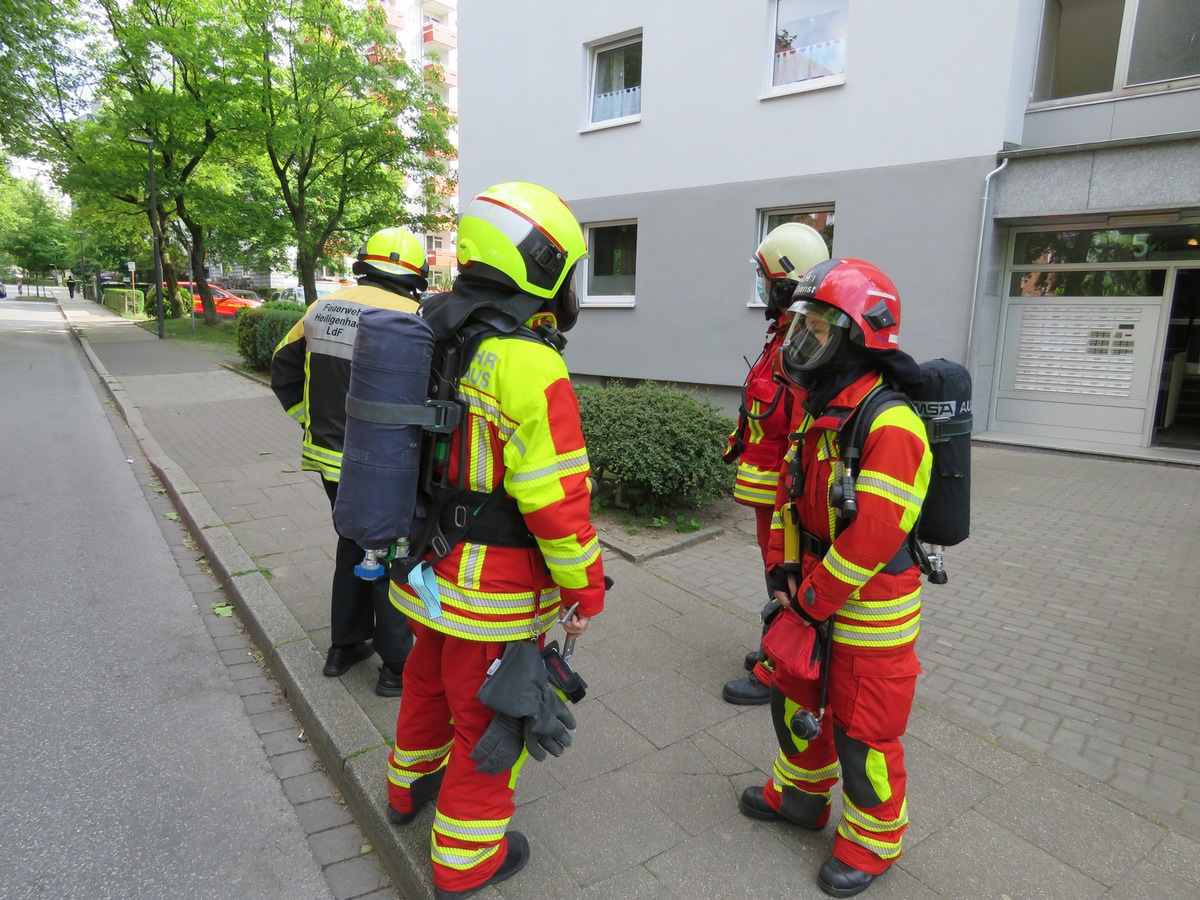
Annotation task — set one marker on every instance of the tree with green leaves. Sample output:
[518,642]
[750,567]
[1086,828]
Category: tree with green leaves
[352,131]
[38,238]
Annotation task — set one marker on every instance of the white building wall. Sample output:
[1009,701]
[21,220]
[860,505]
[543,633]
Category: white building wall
[925,80]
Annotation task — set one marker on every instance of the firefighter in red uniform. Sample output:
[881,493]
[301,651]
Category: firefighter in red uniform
[310,374]
[518,244]
[855,575]
[765,417]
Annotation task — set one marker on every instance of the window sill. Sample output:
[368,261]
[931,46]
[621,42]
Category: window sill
[802,87]
[1167,87]
[610,123]
[625,302]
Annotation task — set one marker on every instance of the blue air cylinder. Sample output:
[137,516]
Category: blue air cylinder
[381,458]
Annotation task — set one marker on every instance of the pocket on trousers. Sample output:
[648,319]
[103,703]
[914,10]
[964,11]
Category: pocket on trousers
[880,698]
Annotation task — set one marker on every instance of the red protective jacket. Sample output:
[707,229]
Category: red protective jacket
[875,609]
[764,441]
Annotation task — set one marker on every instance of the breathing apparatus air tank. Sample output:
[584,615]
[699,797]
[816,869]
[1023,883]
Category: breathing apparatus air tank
[381,458]
[944,402]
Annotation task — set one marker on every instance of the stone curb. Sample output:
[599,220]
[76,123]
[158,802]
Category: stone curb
[625,549]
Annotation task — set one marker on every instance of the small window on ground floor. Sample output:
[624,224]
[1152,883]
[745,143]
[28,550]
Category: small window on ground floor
[818,217]
[610,271]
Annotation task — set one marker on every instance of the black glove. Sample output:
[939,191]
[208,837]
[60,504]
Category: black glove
[501,745]
[777,580]
[549,730]
[799,606]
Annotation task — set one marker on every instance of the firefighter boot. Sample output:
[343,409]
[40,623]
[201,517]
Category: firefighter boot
[422,791]
[514,862]
[750,661]
[748,691]
[839,879]
[809,811]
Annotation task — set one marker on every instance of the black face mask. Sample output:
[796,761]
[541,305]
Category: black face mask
[565,304]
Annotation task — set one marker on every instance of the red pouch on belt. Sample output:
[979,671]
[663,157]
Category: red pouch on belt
[791,643]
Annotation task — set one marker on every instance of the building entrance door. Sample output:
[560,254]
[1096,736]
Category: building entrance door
[1177,416]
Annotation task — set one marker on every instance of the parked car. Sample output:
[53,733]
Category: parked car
[227,302]
[296,294]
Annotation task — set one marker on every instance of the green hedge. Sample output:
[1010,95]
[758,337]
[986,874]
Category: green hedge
[125,301]
[660,444]
[259,329]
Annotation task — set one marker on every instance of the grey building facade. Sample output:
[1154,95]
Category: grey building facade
[1027,172]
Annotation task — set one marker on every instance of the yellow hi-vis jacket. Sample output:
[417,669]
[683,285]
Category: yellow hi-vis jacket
[310,370]
[522,431]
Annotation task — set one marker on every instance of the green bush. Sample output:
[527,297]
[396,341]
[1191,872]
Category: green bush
[273,325]
[245,325]
[660,444]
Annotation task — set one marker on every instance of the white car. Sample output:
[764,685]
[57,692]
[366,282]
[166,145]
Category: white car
[296,294]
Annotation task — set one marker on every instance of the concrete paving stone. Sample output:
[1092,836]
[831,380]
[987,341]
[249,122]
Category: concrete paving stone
[257,703]
[242,671]
[738,861]
[1149,882]
[1104,841]
[633,884]
[622,829]
[308,787]
[940,789]
[294,763]
[236,656]
[1178,856]
[973,850]
[602,742]
[232,642]
[726,760]
[676,709]
[337,844]
[279,742]
[247,687]
[274,720]
[356,877]
[980,753]
[695,803]
[611,665]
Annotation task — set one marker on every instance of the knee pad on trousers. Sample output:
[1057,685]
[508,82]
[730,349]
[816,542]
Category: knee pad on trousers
[800,808]
[855,780]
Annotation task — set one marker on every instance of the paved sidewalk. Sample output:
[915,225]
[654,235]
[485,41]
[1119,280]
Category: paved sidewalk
[1053,752]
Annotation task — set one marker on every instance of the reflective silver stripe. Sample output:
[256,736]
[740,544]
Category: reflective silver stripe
[507,221]
[847,635]
[473,630]
[839,565]
[794,775]
[889,489]
[585,558]
[886,609]
[577,460]
[460,858]
[487,410]
[419,756]
[471,566]
[470,830]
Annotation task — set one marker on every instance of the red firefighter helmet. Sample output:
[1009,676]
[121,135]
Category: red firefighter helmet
[835,301]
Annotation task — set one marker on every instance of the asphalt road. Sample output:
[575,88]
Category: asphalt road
[128,767]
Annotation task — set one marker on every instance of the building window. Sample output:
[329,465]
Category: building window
[1103,46]
[616,88]
[809,43]
[818,217]
[610,276]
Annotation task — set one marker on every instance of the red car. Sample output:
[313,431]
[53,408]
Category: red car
[227,302]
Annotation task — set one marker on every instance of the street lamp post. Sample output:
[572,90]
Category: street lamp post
[154,230]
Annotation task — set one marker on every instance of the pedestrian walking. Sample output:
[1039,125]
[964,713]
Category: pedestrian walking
[71,286]
[310,374]
[760,440]
[493,595]
[840,563]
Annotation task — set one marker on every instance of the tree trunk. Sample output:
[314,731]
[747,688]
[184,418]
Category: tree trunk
[199,275]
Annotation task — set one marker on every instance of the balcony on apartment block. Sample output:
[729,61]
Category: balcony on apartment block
[440,8]
[446,259]
[395,18]
[442,73]
[439,38]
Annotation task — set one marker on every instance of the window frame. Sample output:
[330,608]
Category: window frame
[769,88]
[1120,81]
[591,61]
[804,209]
[600,301]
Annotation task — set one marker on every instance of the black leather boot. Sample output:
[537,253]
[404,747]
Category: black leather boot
[751,660]
[748,691]
[514,862]
[839,879]
[422,791]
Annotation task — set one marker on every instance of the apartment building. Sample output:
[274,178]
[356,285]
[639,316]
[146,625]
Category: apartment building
[1025,170]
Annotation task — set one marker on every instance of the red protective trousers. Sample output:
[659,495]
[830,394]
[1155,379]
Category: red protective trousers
[440,722]
[870,699]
